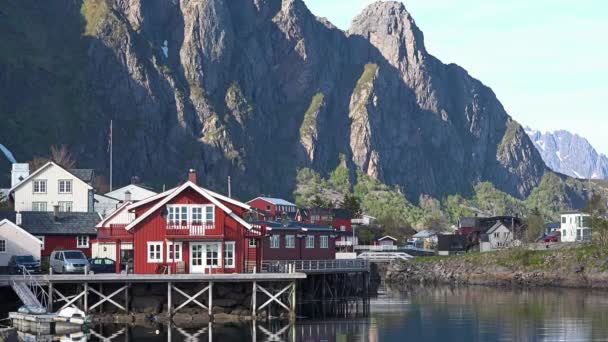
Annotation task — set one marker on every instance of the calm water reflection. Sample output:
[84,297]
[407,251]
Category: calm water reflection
[421,314]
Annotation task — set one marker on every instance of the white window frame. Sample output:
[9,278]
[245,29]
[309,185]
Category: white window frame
[158,250]
[179,250]
[3,246]
[218,256]
[37,206]
[40,183]
[63,205]
[310,241]
[290,241]
[254,244]
[176,214]
[324,241]
[66,183]
[206,211]
[275,241]
[82,245]
[229,247]
[41,238]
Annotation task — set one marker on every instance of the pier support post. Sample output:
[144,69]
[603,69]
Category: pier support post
[169,304]
[292,312]
[210,306]
[86,297]
[101,291]
[127,298]
[50,297]
[254,301]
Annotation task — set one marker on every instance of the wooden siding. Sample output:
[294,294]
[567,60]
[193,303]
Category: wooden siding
[24,195]
[299,252]
[53,242]
[262,205]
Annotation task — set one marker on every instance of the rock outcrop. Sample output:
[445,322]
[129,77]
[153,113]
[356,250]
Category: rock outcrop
[254,89]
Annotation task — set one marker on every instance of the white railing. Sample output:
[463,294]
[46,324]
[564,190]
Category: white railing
[343,243]
[190,229]
[37,296]
[284,266]
[375,248]
[383,257]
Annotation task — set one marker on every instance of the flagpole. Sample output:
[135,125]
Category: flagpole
[111,143]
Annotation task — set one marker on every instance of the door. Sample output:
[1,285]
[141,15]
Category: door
[204,255]
[196,257]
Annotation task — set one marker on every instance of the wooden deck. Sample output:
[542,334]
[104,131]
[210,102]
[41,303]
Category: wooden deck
[155,278]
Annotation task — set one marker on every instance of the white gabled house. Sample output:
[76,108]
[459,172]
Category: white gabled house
[131,192]
[16,241]
[52,185]
[498,237]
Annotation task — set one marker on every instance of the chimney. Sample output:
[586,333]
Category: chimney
[18,219]
[56,213]
[127,196]
[19,172]
[192,175]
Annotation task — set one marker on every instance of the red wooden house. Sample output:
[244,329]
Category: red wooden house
[191,229]
[270,208]
[338,219]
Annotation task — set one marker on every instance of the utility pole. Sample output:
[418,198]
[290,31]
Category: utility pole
[111,154]
[229,188]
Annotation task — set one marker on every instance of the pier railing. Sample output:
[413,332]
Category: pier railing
[375,248]
[315,266]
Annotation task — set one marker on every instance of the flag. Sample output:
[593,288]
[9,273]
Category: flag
[110,137]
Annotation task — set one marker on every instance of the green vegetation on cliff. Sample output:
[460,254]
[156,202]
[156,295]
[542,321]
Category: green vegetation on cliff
[310,116]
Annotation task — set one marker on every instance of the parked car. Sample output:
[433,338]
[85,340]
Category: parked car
[550,238]
[18,262]
[68,261]
[102,265]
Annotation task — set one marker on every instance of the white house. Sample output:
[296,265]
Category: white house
[497,237]
[105,205]
[428,238]
[131,192]
[52,185]
[575,226]
[14,240]
[364,220]
[387,241]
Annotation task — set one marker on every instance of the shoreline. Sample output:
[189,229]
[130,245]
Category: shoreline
[584,268]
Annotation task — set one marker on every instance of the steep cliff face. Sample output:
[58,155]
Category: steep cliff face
[256,89]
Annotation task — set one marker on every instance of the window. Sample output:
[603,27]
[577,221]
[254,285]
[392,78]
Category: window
[183,213]
[65,186]
[155,253]
[172,215]
[209,213]
[212,255]
[197,214]
[38,206]
[253,243]
[310,241]
[41,238]
[65,206]
[268,207]
[290,241]
[274,241]
[324,241]
[563,220]
[40,186]
[229,255]
[497,235]
[2,246]
[174,247]
[342,228]
[82,241]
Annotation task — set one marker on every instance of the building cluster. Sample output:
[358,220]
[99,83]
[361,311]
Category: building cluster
[186,229]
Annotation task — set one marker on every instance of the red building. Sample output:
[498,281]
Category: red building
[57,230]
[338,219]
[297,241]
[191,229]
[270,208]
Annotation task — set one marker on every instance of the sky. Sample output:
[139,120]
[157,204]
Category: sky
[547,61]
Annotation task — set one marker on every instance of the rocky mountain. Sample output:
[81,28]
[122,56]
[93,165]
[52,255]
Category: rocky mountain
[255,89]
[569,154]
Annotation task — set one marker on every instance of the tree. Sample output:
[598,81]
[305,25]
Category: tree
[351,203]
[534,225]
[598,208]
[59,155]
[318,202]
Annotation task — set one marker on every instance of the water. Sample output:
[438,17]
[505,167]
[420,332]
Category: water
[419,314]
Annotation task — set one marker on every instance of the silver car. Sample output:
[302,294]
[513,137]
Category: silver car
[69,261]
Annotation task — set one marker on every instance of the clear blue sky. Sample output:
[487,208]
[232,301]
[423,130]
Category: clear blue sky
[546,60]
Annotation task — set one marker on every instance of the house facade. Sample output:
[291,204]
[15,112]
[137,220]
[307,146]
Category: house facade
[499,236]
[387,241]
[113,241]
[273,208]
[52,185]
[297,241]
[575,226]
[190,229]
[16,241]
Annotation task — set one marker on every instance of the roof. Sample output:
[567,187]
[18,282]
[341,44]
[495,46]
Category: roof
[87,175]
[387,237]
[23,231]
[275,201]
[451,242]
[497,225]
[574,212]
[118,210]
[142,192]
[201,191]
[292,225]
[467,222]
[44,223]
[424,234]
[44,167]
